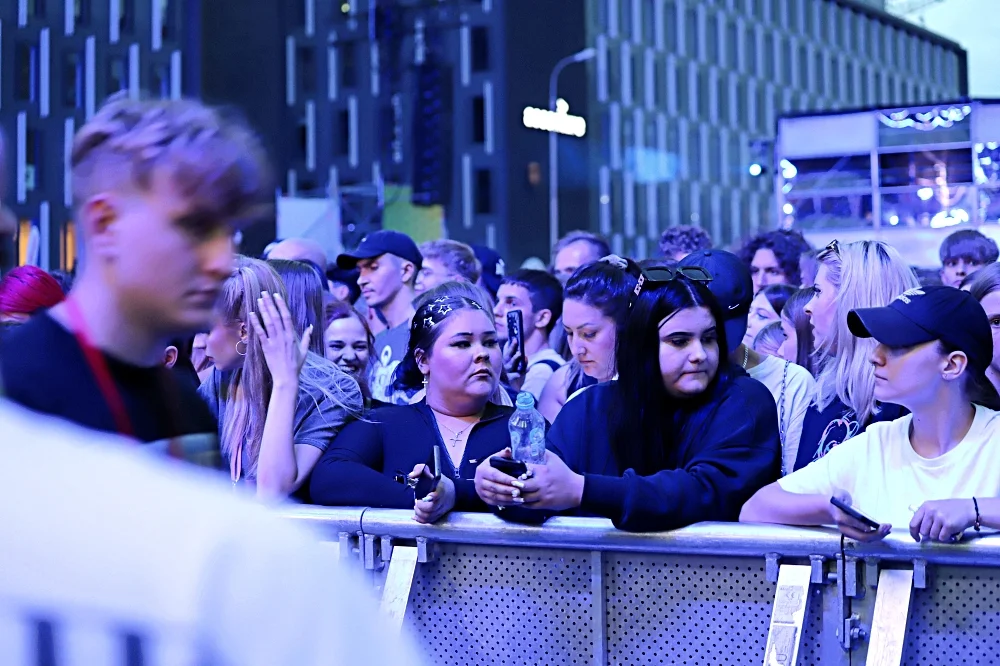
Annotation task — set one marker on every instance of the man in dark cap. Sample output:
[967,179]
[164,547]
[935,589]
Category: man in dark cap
[388,263]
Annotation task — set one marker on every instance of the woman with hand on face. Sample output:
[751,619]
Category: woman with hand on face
[279,406]
[669,444]
[595,305]
[454,352]
[935,471]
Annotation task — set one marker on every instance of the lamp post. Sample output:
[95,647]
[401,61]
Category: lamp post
[580,56]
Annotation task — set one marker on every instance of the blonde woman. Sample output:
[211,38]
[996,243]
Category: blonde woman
[279,405]
[866,274]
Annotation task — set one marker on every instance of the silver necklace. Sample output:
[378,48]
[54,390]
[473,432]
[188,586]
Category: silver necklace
[746,356]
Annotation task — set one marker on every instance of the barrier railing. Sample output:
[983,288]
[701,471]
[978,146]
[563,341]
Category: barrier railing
[479,590]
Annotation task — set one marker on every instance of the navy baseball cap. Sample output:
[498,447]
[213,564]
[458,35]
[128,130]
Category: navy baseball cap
[493,267]
[731,285]
[382,242]
[925,314]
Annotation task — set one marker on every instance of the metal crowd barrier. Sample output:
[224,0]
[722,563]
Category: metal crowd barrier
[478,590]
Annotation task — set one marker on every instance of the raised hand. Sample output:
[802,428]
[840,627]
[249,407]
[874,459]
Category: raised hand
[284,352]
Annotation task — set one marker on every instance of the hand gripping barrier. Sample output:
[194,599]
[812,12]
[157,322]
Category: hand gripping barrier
[478,590]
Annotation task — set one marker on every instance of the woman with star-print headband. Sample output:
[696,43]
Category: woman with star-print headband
[455,355]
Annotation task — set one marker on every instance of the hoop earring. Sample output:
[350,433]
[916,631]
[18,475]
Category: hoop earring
[244,352]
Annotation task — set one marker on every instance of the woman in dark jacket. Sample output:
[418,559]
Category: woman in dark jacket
[454,352]
[672,443]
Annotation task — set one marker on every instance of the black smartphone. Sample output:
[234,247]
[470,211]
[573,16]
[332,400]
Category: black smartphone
[854,513]
[428,480]
[515,332]
[514,468]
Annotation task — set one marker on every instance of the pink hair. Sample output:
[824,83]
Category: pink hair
[27,289]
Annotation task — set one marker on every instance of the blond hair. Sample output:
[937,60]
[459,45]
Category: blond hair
[866,274]
[457,257]
[249,390]
[214,161]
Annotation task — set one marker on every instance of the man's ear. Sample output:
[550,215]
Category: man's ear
[543,319]
[409,271]
[170,356]
[97,218]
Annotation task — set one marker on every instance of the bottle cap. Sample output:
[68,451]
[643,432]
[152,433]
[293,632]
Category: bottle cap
[525,400]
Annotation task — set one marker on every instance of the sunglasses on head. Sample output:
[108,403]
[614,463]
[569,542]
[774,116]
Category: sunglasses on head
[834,247]
[668,274]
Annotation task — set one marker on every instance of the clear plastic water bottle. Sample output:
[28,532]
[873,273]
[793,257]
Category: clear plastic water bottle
[527,431]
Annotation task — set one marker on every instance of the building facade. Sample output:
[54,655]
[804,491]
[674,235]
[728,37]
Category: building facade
[687,91]
[60,61]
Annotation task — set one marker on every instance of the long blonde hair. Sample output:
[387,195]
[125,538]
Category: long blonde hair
[248,391]
[866,274]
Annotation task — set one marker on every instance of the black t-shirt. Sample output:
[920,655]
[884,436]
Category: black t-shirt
[43,368]
[824,430]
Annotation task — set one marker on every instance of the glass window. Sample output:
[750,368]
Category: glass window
[836,78]
[117,74]
[34,151]
[769,64]
[614,73]
[305,69]
[478,119]
[648,20]
[788,62]
[25,72]
[923,167]
[691,45]
[484,191]
[732,45]
[342,135]
[347,52]
[81,12]
[72,80]
[625,24]
[480,47]
[670,25]
[160,77]
[714,46]
[704,92]
[717,171]
[753,52]
[126,16]
[36,8]
[832,22]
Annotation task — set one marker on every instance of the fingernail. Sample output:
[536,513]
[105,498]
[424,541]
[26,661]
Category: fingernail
[515,493]
[519,500]
[517,484]
[276,295]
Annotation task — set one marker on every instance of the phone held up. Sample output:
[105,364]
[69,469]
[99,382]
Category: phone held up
[515,332]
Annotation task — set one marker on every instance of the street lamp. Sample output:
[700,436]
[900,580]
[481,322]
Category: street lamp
[580,56]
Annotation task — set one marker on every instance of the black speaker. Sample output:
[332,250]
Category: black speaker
[432,135]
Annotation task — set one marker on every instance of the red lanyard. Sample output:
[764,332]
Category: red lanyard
[99,367]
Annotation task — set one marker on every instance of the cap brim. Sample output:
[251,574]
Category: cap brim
[736,330]
[350,261]
[886,325]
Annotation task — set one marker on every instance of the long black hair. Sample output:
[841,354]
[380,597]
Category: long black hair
[647,421]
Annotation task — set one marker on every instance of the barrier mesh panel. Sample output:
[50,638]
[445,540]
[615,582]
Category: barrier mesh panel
[684,610]
[500,606]
[956,620]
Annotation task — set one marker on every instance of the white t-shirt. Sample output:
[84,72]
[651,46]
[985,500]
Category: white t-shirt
[885,477]
[103,539]
[541,367]
[799,389]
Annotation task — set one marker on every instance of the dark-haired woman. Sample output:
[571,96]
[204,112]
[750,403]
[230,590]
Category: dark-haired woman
[672,443]
[595,306]
[797,331]
[454,352]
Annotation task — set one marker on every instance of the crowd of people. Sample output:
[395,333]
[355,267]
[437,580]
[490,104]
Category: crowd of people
[696,385]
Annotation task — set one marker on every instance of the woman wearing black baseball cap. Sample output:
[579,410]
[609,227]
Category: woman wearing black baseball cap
[934,470]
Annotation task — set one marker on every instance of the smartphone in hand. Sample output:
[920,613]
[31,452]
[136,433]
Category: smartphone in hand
[854,513]
[515,332]
[508,466]
[429,478]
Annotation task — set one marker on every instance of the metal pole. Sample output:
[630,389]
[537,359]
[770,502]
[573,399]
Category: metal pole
[581,56]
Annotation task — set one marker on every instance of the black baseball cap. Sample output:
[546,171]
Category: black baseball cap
[731,285]
[381,242]
[926,314]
